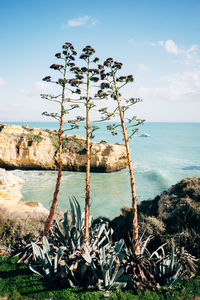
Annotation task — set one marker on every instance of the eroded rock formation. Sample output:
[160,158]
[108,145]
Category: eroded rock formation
[24,148]
[10,195]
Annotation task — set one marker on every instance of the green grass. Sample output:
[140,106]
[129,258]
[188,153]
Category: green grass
[18,282]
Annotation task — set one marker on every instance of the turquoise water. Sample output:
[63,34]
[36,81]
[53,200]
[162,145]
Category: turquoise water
[171,153]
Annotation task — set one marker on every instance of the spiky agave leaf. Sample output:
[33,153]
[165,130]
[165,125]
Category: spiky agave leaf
[85,253]
[171,267]
[25,254]
[72,234]
[110,272]
[57,259]
[139,269]
[49,263]
[36,270]
[100,235]
[37,251]
[188,261]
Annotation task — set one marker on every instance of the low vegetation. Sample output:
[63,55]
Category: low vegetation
[18,282]
[19,228]
[34,138]
[105,262]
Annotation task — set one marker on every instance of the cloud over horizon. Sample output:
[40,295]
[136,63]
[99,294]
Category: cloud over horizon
[182,86]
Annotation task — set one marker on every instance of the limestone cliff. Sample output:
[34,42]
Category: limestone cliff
[19,221]
[10,195]
[24,148]
[10,186]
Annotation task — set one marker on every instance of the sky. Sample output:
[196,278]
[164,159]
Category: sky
[157,41]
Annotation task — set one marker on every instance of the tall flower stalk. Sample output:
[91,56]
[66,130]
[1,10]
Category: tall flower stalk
[67,56]
[113,84]
[86,56]
[88,75]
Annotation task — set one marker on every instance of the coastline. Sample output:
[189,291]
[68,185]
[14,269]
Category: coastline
[169,155]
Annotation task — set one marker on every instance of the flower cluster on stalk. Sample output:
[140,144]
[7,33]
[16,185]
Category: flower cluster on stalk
[68,56]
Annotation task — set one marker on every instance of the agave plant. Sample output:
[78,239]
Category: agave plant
[140,268]
[73,228]
[49,264]
[102,262]
[78,268]
[100,235]
[71,235]
[172,267]
[86,263]
[106,267]
[78,255]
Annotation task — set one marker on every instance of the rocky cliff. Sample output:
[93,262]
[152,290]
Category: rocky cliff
[10,196]
[173,214]
[19,221]
[24,148]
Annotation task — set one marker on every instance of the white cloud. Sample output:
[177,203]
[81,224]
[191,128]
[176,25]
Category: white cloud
[188,56]
[170,46]
[81,21]
[183,86]
[2,81]
[191,55]
[180,86]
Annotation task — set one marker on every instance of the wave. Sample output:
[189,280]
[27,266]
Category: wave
[158,178]
[40,180]
[191,168]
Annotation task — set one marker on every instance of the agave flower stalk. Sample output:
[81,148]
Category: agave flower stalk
[113,86]
[132,180]
[87,178]
[89,75]
[68,56]
[87,52]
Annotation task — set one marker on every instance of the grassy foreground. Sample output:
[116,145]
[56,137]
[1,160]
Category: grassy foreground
[18,282]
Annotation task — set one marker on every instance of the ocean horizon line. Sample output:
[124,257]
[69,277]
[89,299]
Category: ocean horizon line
[180,122]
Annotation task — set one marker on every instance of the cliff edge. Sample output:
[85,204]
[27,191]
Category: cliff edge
[36,149]
[10,196]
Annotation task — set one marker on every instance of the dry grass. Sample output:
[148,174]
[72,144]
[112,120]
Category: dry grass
[18,227]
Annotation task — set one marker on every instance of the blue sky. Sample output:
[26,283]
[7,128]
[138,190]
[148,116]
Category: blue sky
[158,42]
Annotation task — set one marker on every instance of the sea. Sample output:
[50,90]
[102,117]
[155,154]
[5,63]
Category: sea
[168,153]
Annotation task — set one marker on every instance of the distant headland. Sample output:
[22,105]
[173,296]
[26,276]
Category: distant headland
[36,149]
